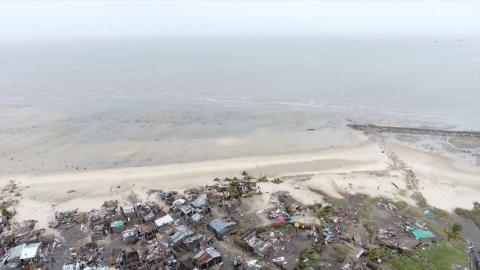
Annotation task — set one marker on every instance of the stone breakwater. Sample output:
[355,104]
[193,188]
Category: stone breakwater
[414,131]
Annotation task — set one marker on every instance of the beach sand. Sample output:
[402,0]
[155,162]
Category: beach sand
[336,171]
[62,165]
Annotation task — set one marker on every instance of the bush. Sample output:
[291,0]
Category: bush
[6,213]
[401,204]
[421,201]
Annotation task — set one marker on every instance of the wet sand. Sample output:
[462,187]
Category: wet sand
[63,163]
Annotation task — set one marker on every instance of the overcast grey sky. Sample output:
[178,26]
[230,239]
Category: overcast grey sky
[25,20]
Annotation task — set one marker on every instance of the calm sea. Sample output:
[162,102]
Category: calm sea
[412,78]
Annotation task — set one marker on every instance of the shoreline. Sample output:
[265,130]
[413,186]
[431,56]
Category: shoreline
[361,168]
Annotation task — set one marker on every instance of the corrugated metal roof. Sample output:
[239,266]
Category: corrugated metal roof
[192,239]
[129,233]
[181,232]
[128,209]
[15,252]
[204,256]
[213,252]
[197,217]
[219,225]
[200,201]
[178,202]
[186,209]
[30,251]
[167,219]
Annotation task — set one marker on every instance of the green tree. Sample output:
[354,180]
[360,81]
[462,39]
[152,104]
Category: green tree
[454,231]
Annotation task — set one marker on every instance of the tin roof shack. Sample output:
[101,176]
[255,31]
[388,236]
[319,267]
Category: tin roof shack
[193,242]
[177,203]
[147,231]
[148,217]
[164,221]
[201,201]
[222,227]
[207,258]
[129,212]
[130,236]
[22,255]
[185,210]
[149,211]
[179,234]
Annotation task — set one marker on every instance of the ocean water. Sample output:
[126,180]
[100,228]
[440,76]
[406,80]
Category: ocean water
[403,80]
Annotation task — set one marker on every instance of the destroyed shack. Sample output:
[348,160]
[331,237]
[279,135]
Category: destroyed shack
[126,259]
[130,235]
[257,245]
[147,231]
[110,208]
[159,258]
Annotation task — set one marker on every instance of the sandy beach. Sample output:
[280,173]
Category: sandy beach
[361,167]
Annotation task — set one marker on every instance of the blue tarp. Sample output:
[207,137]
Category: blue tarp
[423,234]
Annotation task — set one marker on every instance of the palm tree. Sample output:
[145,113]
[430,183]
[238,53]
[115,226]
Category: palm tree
[454,232]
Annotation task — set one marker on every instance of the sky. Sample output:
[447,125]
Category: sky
[46,20]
